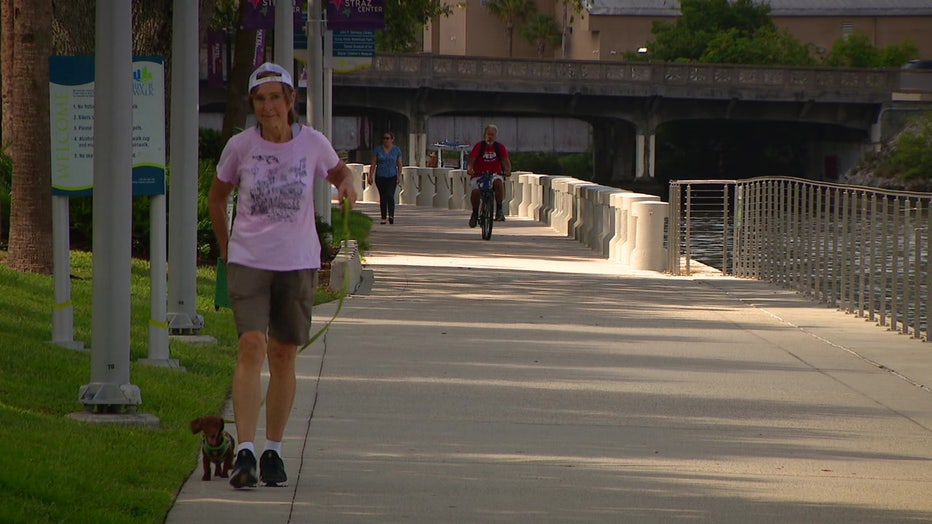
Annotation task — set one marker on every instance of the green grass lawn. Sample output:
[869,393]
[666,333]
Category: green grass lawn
[55,469]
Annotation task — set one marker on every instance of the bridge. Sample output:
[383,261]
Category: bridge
[625,102]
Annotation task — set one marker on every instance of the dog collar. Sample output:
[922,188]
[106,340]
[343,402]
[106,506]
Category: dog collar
[219,449]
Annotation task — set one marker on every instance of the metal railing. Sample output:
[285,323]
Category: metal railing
[862,250]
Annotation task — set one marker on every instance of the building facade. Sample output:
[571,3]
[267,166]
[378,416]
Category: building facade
[606,29]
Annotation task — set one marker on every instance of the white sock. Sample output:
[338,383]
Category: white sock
[246,445]
[274,446]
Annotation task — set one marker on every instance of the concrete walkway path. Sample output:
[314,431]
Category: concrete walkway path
[523,379]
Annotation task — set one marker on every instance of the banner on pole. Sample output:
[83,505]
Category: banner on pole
[216,40]
[260,14]
[359,15]
[71,103]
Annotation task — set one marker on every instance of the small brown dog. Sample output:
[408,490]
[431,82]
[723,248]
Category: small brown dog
[218,447]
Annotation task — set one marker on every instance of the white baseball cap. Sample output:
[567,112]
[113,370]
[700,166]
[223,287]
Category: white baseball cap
[270,73]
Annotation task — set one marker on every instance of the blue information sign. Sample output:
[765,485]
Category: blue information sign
[353,44]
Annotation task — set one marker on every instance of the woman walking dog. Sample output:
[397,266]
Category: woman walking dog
[271,254]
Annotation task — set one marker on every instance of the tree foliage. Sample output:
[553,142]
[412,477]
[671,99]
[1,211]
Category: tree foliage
[542,30]
[767,46]
[405,21]
[512,13]
[857,51]
[702,22]
[910,158]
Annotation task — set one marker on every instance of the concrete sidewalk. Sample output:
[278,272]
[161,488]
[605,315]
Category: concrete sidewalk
[525,380]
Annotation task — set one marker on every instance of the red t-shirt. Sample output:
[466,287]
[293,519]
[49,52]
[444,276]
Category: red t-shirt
[488,162]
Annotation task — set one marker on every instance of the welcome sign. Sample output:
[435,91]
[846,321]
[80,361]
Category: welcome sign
[71,104]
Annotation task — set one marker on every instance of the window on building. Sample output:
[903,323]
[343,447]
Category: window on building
[846,29]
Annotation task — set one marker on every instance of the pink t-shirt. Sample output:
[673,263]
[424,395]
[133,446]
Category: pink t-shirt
[274,227]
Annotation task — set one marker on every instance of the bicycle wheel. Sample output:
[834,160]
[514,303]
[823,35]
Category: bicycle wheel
[487,215]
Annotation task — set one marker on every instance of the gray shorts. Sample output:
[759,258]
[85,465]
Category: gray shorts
[275,302]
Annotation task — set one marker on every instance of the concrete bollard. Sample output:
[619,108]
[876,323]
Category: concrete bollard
[533,209]
[458,183]
[408,184]
[648,252]
[581,209]
[603,234]
[629,222]
[593,217]
[517,192]
[358,176]
[525,186]
[548,199]
[563,210]
[619,231]
[371,193]
[441,177]
[425,186]
[509,194]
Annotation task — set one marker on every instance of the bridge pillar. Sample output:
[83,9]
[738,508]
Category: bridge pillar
[417,149]
[645,156]
[613,147]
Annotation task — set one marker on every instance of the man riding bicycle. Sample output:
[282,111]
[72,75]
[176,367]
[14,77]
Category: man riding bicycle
[488,156]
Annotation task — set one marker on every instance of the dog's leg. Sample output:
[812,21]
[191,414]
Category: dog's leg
[227,466]
[206,463]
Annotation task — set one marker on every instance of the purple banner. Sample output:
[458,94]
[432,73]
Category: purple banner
[259,56]
[355,15]
[260,14]
[215,42]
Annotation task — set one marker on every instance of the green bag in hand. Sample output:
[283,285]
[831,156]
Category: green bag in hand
[221,297]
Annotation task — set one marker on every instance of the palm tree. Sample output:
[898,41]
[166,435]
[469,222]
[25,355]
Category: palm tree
[541,30]
[27,85]
[511,12]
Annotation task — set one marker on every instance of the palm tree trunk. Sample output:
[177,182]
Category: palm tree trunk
[31,207]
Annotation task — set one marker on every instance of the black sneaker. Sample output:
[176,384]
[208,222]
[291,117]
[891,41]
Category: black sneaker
[499,217]
[244,470]
[272,469]
[473,219]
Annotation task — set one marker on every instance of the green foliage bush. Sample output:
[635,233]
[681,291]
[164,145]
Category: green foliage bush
[578,165]
[910,158]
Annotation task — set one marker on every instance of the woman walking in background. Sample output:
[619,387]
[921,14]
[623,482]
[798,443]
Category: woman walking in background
[386,165]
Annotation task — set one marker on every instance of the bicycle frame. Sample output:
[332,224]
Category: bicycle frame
[486,205]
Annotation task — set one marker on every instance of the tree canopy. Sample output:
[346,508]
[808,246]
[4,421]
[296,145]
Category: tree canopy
[405,21]
[743,32]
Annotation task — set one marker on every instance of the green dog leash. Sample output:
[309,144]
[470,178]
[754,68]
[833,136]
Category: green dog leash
[346,279]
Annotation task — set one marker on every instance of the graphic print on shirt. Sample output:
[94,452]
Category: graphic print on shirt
[277,189]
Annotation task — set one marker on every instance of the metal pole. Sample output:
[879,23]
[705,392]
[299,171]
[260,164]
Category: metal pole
[183,142]
[284,35]
[159,354]
[62,309]
[110,390]
[315,96]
